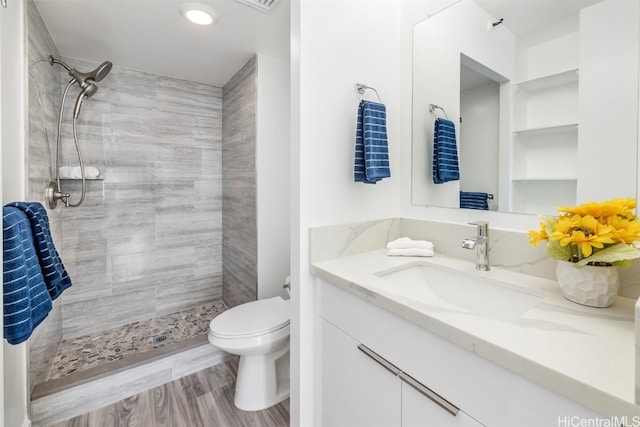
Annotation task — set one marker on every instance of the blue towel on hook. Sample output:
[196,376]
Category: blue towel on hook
[26,301]
[372,153]
[445,152]
[474,200]
[55,275]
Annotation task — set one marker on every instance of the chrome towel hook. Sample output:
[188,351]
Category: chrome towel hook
[361,87]
[434,107]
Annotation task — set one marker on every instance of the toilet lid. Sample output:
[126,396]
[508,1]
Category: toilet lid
[252,318]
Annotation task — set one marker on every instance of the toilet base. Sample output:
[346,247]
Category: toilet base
[263,380]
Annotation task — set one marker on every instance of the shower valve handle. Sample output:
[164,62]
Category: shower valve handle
[64,197]
[52,195]
[57,195]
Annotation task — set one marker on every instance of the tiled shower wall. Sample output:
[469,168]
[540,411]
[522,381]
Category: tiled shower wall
[44,86]
[147,240]
[239,193]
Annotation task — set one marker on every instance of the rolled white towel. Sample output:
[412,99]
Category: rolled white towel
[90,172]
[410,252]
[74,172]
[407,243]
[70,172]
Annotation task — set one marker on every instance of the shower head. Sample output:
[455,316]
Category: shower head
[83,78]
[102,71]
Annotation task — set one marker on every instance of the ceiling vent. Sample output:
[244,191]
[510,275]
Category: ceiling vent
[263,5]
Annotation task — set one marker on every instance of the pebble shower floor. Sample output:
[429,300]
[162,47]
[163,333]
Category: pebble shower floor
[88,351]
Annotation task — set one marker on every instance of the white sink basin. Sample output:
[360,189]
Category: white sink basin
[470,292]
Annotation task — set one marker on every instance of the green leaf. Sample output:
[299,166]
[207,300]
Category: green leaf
[556,251]
[613,254]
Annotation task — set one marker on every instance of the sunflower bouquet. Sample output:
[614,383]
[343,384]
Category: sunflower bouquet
[599,234]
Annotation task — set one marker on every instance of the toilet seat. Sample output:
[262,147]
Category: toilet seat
[252,319]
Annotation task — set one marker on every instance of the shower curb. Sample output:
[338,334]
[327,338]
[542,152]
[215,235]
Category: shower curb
[64,398]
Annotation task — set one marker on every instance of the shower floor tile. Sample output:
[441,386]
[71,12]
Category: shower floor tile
[88,351]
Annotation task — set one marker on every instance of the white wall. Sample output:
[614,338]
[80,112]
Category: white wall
[272,170]
[559,53]
[12,90]
[608,131]
[335,44]
[479,140]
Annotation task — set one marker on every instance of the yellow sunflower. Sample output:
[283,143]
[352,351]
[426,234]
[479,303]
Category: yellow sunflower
[584,232]
[535,237]
[601,210]
[624,230]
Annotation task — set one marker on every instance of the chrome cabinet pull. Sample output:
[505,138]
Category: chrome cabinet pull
[417,385]
[381,360]
[430,394]
[3,3]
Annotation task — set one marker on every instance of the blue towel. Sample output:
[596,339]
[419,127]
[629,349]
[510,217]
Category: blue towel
[474,200]
[26,301]
[55,275]
[445,152]
[372,154]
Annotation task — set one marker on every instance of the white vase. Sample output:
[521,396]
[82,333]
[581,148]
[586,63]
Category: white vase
[588,285]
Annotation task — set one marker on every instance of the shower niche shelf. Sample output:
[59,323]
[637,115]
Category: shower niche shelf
[65,171]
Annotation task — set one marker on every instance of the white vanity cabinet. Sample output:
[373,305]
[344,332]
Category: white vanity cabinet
[417,411]
[355,390]
[359,388]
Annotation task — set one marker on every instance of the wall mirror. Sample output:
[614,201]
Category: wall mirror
[543,97]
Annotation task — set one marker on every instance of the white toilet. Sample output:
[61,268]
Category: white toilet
[258,332]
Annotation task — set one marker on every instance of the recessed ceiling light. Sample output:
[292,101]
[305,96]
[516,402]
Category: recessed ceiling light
[199,13]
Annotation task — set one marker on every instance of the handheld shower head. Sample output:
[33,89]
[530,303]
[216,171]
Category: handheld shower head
[87,92]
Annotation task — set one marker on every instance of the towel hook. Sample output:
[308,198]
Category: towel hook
[434,107]
[361,87]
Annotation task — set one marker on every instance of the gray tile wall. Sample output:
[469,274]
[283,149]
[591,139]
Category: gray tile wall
[44,87]
[148,239]
[239,234]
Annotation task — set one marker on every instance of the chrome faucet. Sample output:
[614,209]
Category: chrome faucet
[481,243]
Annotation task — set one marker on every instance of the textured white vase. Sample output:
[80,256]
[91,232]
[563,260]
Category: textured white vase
[588,285]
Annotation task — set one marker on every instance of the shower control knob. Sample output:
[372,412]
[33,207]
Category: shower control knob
[64,197]
[52,195]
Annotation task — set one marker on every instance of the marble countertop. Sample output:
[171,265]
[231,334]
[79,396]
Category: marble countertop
[584,353]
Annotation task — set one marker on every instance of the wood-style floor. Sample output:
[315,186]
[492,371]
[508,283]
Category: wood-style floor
[203,399]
